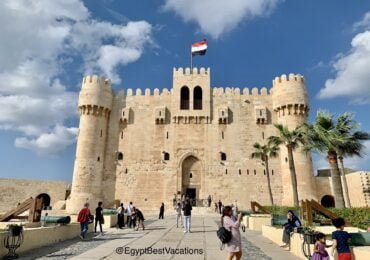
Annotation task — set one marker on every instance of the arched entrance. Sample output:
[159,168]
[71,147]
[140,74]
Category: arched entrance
[191,178]
[45,200]
[328,201]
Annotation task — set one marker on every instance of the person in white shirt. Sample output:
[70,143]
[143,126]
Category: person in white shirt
[178,215]
[129,214]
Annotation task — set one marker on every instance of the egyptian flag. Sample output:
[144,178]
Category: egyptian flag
[199,48]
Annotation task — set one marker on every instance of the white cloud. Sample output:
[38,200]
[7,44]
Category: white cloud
[40,40]
[217,17]
[49,143]
[352,69]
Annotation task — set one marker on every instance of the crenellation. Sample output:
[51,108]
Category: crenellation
[263,91]
[290,78]
[156,92]
[246,91]
[165,92]
[129,92]
[147,92]
[255,92]
[138,92]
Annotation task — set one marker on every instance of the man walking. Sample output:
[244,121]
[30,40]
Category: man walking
[187,216]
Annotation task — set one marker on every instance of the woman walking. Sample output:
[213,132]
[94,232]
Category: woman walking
[161,211]
[234,247]
[99,216]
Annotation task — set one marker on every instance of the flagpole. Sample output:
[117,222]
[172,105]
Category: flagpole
[191,61]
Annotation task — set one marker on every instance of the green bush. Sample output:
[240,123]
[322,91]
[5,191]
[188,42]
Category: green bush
[358,217]
[282,210]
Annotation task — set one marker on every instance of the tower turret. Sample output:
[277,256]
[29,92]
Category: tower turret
[95,105]
[291,105]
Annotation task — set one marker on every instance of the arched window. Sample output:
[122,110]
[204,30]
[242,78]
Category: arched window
[328,201]
[223,156]
[166,156]
[120,156]
[198,96]
[184,98]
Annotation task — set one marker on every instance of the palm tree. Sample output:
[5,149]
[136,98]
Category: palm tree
[351,147]
[291,140]
[264,152]
[332,137]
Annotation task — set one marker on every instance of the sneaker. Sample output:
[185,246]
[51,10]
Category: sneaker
[185,231]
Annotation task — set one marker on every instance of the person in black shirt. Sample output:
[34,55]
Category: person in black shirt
[187,216]
[140,219]
[161,211]
[99,216]
[293,222]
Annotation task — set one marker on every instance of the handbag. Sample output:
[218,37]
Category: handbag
[91,219]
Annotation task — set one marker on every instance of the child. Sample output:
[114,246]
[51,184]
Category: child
[341,240]
[320,252]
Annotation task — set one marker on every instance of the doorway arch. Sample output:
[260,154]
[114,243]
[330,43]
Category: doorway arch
[191,178]
[328,201]
[45,200]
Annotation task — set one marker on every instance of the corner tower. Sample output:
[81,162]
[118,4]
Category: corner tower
[95,105]
[291,105]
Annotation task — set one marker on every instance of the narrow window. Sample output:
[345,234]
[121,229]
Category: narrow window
[184,93]
[166,156]
[160,113]
[255,172]
[226,171]
[101,132]
[198,96]
[264,172]
[126,170]
[190,175]
[123,113]
[120,156]
[240,172]
[122,135]
[222,135]
[98,158]
[223,156]
[247,172]
[263,135]
[272,172]
[260,112]
[222,113]
[167,135]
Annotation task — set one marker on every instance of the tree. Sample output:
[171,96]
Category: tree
[333,137]
[264,152]
[352,146]
[291,140]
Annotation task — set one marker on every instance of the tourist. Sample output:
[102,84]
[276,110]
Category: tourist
[178,215]
[209,200]
[319,248]
[231,223]
[219,206]
[187,216]
[133,217]
[120,216]
[174,201]
[235,210]
[341,240]
[216,207]
[99,216]
[84,218]
[293,223]
[140,219]
[161,211]
[128,211]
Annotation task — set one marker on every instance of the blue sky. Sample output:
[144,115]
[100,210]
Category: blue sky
[47,46]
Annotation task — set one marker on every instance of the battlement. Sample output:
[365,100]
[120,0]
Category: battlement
[290,78]
[187,71]
[95,79]
[220,91]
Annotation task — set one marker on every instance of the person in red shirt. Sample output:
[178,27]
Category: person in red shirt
[83,218]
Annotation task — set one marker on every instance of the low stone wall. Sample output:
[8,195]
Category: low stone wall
[43,236]
[256,221]
[276,234]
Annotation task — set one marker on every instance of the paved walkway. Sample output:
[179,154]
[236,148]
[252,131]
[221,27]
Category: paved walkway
[162,235]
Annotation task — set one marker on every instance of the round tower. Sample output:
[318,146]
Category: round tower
[95,105]
[291,105]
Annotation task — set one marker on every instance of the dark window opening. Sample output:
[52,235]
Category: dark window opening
[101,132]
[120,156]
[167,135]
[198,96]
[222,113]
[45,200]
[226,171]
[272,172]
[98,158]
[240,172]
[190,175]
[247,172]
[263,135]
[166,156]
[160,113]
[185,98]
[255,172]
[286,159]
[126,171]
[122,135]
[264,172]
[328,201]
[223,156]
[223,136]
[123,113]
[260,112]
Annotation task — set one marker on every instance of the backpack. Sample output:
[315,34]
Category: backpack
[224,235]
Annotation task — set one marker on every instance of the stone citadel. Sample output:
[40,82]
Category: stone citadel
[193,139]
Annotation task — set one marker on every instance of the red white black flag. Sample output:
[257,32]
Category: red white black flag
[199,48]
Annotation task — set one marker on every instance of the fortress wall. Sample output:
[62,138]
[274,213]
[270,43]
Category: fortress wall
[14,191]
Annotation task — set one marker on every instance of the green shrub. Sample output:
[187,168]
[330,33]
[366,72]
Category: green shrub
[358,217]
[282,210]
